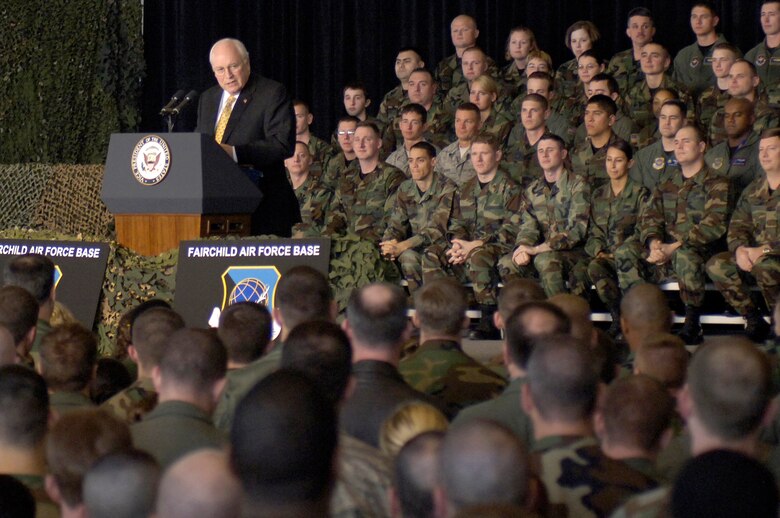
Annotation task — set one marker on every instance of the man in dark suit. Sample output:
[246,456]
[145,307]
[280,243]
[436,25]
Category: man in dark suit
[252,118]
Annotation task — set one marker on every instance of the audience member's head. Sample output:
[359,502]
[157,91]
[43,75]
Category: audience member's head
[150,332]
[124,335]
[245,330]
[481,462]
[75,442]
[376,317]
[644,311]
[415,475]
[25,403]
[122,485]
[111,377]
[633,416]
[34,273]
[303,294]
[19,313]
[578,311]
[440,308]
[211,488]
[283,443]
[408,421]
[529,321]
[513,294]
[68,358]
[320,350]
[663,357]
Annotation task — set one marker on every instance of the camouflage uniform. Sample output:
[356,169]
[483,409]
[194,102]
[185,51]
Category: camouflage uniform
[422,217]
[556,124]
[64,402]
[571,108]
[449,72]
[450,163]
[581,481]
[363,202]
[647,135]
[521,159]
[624,127]
[654,503]
[740,166]
[592,165]
[693,70]
[707,105]
[439,130]
[400,160]
[692,211]
[364,476]
[754,223]
[479,214]
[768,66]
[391,106]
[639,101]
[497,125]
[613,224]
[456,96]
[625,69]
[767,117]
[320,151]
[514,83]
[132,403]
[566,80]
[442,370]
[653,165]
[504,409]
[556,215]
[314,201]
[334,170]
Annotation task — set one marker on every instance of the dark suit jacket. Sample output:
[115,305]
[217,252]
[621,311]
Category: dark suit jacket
[379,389]
[262,129]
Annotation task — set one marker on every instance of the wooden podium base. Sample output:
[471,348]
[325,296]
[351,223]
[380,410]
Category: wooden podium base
[153,234]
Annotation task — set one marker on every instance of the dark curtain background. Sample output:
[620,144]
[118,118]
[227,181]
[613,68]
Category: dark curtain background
[315,46]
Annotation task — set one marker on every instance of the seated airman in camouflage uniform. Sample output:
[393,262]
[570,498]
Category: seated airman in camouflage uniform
[714,97]
[651,134]
[454,161]
[541,83]
[682,227]
[588,158]
[624,127]
[552,225]
[407,60]
[318,148]
[654,163]
[338,162]
[413,121]
[484,94]
[580,36]
[520,42]
[366,192]
[693,64]
[764,55]
[754,241]
[560,397]
[589,64]
[624,66]
[521,157]
[449,72]
[484,206]
[420,215]
[614,212]
[439,367]
[474,63]
[313,198]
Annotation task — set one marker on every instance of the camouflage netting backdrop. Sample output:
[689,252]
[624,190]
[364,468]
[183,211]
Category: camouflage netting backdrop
[62,202]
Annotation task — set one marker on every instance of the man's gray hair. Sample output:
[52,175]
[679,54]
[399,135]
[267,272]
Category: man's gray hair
[237,44]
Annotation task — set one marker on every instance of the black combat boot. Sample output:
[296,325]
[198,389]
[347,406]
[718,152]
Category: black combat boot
[756,327]
[486,329]
[691,332]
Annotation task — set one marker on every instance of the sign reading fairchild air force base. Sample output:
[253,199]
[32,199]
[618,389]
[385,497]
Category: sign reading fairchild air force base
[211,275]
[79,270]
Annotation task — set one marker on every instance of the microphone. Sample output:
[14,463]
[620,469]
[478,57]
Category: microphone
[177,97]
[187,100]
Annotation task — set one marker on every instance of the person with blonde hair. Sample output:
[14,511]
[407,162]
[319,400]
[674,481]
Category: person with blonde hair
[483,93]
[407,422]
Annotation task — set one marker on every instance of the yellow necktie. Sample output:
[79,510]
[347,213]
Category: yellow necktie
[223,119]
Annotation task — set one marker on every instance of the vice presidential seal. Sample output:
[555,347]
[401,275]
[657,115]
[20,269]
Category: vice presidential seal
[151,159]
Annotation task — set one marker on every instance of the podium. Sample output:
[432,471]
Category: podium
[172,187]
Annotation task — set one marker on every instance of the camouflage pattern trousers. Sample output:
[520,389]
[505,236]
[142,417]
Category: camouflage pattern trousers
[410,263]
[600,272]
[479,269]
[733,283]
[686,265]
[556,271]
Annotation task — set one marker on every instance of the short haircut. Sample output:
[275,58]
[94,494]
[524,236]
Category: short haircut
[698,133]
[122,485]
[520,28]
[76,441]
[707,5]
[516,292]
[416,472]
[604,102]
[24,399]
[356,85]
[303,294]
[645,307]
[239,46]
[770,133]
[476,48]
[663,48]
[151,331]
[409,420]
[490,450]
[488,83]
[305,146]
[644,12]
[636,411]
[440,306]
[195,359]
[724,45]
[322,351]
[125,327]
[538,99]
[624,147]
[427,147]
[18,311]
[585,25]
[347,118]
[376,314]
[663,357]
[370,125]
[679,104]
[415,108]
[283,440]
[562,378]
[299,102]
[469,107]
[411,49]
[612,83]
[33,272]
[489,139]
[521,332]
[68,356]
[751,66]
[544,76]
[578,311]
[423,70]
[540,54]
[111,377]
[245,330]
[731,387]
[557,139]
